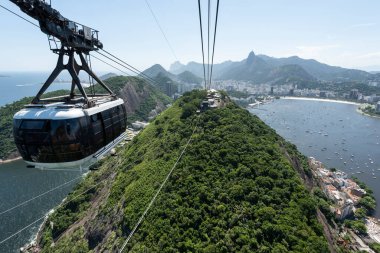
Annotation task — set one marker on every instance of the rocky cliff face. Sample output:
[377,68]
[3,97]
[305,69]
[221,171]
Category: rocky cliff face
[141,100]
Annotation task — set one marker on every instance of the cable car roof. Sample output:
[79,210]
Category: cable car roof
[58,111]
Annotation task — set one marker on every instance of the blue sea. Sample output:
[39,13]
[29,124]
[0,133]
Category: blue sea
[17,85]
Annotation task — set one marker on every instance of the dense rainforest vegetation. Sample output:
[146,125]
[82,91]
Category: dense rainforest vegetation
[234,190]
[150,97]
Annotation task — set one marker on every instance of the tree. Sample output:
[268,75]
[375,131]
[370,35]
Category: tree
[360,213]
[368,203]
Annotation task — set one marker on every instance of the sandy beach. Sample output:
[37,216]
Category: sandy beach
[10,160]
[322,100]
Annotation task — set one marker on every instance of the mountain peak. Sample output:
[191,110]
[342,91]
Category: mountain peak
[175,66]
[156,69]
[251,57]
[158,66]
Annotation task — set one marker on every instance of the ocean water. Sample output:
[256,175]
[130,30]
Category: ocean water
[333,133]
[19,184]
[17,85]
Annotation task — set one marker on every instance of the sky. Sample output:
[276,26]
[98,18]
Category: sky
[336,32]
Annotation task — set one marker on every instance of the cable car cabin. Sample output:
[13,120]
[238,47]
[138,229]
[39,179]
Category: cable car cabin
[61,135]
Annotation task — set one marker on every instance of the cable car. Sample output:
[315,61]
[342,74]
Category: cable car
[69,130]
[65,135]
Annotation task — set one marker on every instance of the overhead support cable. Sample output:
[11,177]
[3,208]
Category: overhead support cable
[74,198]
[128,66]
[110,65]
[203,52]
[132,69]
[40,195]
[125,65]
[158,191]
[213,46]
[208,43]
[162,31]
[19,16]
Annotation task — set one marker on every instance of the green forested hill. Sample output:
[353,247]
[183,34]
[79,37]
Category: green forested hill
[234,190]
[140,99]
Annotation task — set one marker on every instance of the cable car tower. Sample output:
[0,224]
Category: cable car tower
[66,38]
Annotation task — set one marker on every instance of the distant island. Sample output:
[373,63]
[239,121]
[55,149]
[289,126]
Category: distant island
[4,76]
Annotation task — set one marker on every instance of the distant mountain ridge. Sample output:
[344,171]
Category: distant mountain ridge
[157,70]
[183,77]
[319,70]
[108,75]
[262,68]
[170,83]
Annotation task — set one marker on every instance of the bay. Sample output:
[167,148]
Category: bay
[20,184]
[334,133]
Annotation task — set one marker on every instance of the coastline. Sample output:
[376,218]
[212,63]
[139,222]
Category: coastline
[366,114]
[359,110]
[322,100]
[10,160]
[324,180]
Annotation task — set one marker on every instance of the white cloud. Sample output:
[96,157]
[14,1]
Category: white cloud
[363,25]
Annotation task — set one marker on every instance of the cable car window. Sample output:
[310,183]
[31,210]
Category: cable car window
[72,129]
[17,123]
[94,117]
[83,122]
[58,131]
[32,124]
